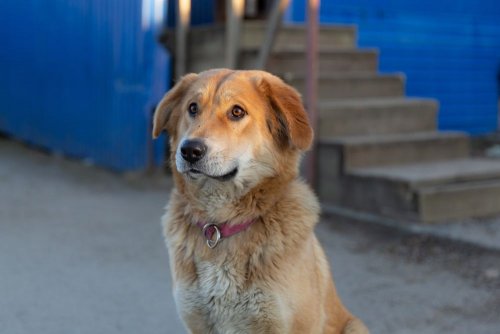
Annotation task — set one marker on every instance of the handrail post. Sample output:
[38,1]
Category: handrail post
[234,15]
[181,36]
[271,31]
[312,85]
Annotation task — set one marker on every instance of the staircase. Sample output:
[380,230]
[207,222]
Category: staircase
[379,152]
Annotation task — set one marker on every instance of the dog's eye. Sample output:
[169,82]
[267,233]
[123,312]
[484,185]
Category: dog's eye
[193,109]
[237,113]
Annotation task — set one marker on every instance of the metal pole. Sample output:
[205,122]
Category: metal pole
[312,86]
[234,14]
[272,28]
[181,36]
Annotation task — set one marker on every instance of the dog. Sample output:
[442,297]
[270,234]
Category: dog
[239,225]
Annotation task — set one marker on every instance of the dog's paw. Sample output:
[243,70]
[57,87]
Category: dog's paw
[355,326]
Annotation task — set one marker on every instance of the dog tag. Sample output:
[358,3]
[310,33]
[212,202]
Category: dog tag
[212,234]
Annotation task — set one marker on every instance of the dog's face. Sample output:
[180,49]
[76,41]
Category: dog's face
[232,126]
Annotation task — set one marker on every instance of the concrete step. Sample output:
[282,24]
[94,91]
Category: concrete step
[293,60]
[424,192]
[352,85]
[431,174]
[460,201]
[383,150]
[376,116]
[209,41]
[294,35]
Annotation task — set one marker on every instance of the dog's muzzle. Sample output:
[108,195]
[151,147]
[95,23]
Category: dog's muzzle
[193,159]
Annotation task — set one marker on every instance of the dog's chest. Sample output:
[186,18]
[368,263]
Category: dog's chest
[224,301]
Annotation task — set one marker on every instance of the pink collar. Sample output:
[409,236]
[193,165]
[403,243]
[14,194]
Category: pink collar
[213,233]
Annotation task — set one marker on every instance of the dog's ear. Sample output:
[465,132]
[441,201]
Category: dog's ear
[289,123]
[165,116]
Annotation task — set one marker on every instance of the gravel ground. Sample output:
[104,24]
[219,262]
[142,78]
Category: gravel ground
[81,252]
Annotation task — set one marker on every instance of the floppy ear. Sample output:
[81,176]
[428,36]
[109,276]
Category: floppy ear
[289,124]
[165,116]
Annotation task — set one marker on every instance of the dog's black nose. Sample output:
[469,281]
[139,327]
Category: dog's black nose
[193,150]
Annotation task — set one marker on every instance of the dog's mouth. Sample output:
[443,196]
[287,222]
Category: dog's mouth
[225,177]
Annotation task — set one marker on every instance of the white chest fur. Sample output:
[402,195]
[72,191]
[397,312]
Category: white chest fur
[221,301]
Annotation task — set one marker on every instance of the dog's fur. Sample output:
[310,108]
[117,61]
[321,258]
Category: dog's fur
[272,277]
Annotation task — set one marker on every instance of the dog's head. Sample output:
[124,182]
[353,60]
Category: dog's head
[233,126]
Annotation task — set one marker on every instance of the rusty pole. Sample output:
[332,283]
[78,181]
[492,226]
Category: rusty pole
[312,86]
[235,9]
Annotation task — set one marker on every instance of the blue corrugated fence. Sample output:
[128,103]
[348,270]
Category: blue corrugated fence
[82,76]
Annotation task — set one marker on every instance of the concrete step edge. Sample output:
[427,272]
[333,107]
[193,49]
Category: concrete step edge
[490,181]
[262,24]
[393,138]
[452,235]
[365,75]
[428,181]
[378,103]
[325,51]
[288,51]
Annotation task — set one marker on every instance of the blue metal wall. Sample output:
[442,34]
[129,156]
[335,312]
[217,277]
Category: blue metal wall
[449,50]
[82,76]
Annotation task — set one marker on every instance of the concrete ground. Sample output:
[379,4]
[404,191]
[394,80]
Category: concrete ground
[81,251]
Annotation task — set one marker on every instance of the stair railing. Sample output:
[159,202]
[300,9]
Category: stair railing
[312,86]
[273,26]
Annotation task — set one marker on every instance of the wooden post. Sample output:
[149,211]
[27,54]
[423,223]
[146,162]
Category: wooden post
[272,29]
[234,15]
[181,36]
[312,86]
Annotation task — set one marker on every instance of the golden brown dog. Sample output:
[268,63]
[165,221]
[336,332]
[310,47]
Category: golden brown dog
[239,224]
